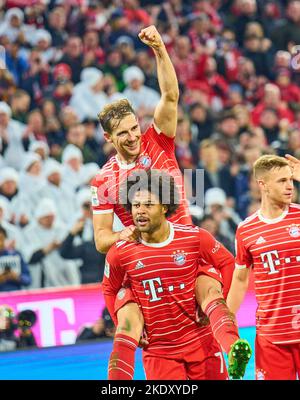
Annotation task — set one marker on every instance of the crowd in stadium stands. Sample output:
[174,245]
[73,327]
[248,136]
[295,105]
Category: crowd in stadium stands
[62,61]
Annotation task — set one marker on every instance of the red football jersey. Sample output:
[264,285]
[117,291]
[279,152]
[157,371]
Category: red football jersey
[157,152]
[162,278]
[272,249]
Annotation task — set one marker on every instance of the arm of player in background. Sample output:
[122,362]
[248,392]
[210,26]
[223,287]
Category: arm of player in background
[112,281]
[238,289]
[216,254]
[165,114]
[240,280]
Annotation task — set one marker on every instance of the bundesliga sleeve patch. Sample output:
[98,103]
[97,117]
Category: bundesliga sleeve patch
[94,195]
[106,269]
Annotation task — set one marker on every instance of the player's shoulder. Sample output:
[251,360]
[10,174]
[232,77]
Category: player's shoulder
[294,208]
[105,172]
[186,229]
[247,221]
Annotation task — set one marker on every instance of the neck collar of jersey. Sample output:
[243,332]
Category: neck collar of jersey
[272,220]
[124,165]
[164,243]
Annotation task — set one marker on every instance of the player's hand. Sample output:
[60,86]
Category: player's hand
[129,234]
[151,37]
[143,343]
[295,165]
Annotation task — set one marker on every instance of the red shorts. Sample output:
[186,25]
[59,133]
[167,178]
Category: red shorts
[204,363]
[276,361]
[125,294]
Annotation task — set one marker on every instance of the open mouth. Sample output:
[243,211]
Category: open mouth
[142,221]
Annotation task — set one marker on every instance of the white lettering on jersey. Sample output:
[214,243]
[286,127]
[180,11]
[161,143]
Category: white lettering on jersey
[153,291]
[269,261]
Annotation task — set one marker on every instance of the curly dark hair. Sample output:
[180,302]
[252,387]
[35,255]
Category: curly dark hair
[112,114]
[156,182]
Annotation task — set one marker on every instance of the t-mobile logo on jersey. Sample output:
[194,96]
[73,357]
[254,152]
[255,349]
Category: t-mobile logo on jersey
[269,260]
[153,290]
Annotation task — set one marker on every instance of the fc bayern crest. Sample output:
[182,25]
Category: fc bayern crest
[179,257]
[294,231]
[145,161]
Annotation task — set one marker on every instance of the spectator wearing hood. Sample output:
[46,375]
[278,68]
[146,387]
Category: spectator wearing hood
[41,241]
[13,234]
[58,191]
[88,96]
[143,99]
[72,173]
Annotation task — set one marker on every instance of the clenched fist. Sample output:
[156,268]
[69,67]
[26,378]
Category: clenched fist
[129,234]
[151,37]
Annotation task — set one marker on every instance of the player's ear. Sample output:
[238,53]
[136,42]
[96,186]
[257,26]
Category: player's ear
[107,137]
[165,209]
[261,184]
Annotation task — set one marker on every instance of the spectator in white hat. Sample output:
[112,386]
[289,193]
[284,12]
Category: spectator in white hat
[72,174]
[41,241]
[12,134]
[59,192]
[41,148]
[88,96]
[142,98]
[12,231]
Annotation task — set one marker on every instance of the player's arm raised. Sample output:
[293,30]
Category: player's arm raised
[165,115]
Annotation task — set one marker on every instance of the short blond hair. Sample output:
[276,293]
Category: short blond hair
[266,163]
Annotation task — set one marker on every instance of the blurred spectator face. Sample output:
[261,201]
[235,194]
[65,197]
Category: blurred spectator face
[35,168]
[210,67]
[183,131]
[294,140]
[210,225]
[282,59]
[74,47]
[293,11]
[229,127]
[234,97]
[114,58]
[35,58]
[76,135]
[247,7]
[224,154]
[20,102]
[247,68]
[201,24]
[4,119]
[255,29]
[57,19]
[269,119]
[9,187]
[208,153]
[15,21]
[54,178]
[242,116]
[43,44]
[143,60]
[91,40]
[48,109]
[69,117]
[272,96]
[183,47]
[135,84]
[283,79]
[47,221]
[36,122]
[75,164]
[252,44]
[252,154]
[198,114]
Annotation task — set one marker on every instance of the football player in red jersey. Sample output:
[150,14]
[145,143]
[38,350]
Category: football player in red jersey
[268,242]
[162,269]
[153,149]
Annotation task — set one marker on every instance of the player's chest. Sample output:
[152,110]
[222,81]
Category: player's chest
[275,247]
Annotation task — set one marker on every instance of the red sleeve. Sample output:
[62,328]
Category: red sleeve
[213,252]
[242,257]
[165,142]
[102,196]
[112,280]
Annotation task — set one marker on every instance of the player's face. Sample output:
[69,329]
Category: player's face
[147,213]
[279,186]
[126,138]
